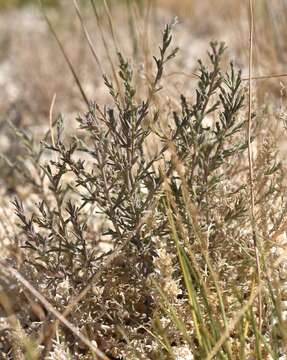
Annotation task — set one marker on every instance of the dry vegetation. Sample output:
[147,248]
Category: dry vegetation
[143,209]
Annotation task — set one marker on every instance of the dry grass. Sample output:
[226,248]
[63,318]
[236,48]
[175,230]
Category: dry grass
[171,247]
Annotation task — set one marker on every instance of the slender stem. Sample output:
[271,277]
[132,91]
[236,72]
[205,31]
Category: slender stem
[71,67]
[87,36]
[251,184]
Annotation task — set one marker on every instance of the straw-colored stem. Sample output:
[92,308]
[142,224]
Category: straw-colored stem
[251,184]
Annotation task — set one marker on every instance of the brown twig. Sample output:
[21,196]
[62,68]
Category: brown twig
[266,77]
[259,77]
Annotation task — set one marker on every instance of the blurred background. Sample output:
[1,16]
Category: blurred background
[33,68]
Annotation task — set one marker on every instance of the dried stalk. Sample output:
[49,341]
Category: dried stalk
[251,184]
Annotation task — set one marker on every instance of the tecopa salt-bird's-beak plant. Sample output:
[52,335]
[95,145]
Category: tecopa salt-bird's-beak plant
[187,201]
